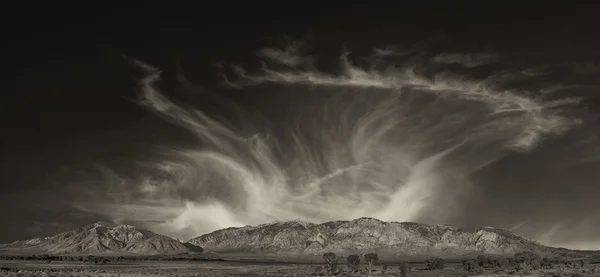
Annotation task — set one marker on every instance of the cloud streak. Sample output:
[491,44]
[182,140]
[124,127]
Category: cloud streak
[391,140]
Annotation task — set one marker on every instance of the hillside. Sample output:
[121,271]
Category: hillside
[103,237]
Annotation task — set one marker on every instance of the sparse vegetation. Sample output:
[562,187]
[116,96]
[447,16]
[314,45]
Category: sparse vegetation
[524,265]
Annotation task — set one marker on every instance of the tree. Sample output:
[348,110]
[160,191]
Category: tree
[331,260]
[404,269]
[470,265]
[353,263]
[492,262]
[435,263]
[90,259]
[526,257]
[528,261]
[522,267]
[481,260]
[510,262]
[371,259]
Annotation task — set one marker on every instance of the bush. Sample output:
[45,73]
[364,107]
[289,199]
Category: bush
[546,263]
[317,270]
[584,263]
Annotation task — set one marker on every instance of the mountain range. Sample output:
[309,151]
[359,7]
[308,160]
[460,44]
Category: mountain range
[295,238]
[103,237]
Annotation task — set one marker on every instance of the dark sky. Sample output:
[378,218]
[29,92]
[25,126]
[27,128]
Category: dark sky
[74,138]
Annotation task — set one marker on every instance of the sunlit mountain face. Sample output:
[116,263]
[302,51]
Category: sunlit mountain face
[397,133]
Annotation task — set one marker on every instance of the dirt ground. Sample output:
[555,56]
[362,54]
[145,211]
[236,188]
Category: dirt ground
[152,269]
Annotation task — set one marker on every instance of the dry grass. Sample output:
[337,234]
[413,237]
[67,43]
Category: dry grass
[182,269]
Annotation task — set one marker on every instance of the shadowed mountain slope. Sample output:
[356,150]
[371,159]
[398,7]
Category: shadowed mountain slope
[103,237]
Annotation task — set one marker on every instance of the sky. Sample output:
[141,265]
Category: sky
[183,121]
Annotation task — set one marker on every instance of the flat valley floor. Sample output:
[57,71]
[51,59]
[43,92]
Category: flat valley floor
[175,268]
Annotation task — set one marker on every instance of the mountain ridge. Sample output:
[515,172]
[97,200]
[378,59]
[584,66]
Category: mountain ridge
[294,239]
[365,235]
[104,237]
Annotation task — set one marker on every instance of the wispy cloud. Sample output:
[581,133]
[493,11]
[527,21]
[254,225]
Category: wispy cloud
[390,142]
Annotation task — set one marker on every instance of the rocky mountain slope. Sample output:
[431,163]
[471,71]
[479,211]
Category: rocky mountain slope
[295,239]
[364,235]
[103,237]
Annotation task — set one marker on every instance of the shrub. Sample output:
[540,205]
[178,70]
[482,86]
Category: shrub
[546,263]
[584,263]
[317,270]
[522,267]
